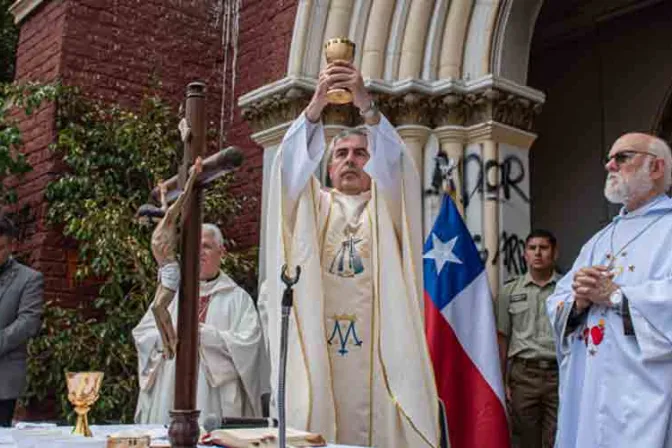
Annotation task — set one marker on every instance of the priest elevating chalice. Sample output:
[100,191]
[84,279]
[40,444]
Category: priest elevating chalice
[339,49]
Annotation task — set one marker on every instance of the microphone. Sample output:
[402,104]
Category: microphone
[211,423]
[287,302]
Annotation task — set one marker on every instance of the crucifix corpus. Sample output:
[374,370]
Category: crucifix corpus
[185,191]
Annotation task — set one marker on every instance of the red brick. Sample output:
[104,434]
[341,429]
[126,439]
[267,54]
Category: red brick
[110,49]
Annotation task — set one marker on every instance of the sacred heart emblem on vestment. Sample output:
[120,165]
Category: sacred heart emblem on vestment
[593,336]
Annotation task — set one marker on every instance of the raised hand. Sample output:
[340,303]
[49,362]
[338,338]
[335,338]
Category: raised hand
[344,75]
[338,75]
[319,100]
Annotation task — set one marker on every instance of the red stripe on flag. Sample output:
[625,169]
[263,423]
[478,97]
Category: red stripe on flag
[475,415]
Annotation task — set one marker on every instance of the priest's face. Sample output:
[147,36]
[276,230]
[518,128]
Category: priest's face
[346,167]
[211,255]
[629,170]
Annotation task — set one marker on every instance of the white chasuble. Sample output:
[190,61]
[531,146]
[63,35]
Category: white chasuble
[358,368]
[230,355]
[348,306]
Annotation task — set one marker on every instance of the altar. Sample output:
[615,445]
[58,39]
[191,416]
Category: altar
[51,436]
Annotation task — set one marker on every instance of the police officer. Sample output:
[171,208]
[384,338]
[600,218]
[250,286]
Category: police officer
[526,346]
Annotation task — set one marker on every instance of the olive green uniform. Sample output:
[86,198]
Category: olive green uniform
[532,375]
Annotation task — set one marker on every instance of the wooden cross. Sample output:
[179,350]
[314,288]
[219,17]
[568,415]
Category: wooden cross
[184,430]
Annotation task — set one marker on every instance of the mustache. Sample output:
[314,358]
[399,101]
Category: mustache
[349,168]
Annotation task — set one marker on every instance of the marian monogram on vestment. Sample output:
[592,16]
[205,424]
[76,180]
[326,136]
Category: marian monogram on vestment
[346,257]
[344,333]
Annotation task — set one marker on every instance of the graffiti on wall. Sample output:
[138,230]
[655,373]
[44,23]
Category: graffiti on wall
[511,252]
[508,187]
[509,174]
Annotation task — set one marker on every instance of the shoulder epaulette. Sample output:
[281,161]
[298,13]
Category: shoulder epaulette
[512,279]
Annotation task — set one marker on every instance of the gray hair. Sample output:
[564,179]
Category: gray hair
[662,150]
[214,230]
[345,133]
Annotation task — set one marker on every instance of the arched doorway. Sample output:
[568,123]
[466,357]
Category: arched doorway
[605,68]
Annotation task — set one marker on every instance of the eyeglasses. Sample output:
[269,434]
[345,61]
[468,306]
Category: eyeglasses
[624,156]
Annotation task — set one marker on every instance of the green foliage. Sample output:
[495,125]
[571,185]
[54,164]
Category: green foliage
[9,36]
[114,157]
[26,98]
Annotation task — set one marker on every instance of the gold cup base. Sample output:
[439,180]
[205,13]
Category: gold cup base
[82,426]
[339,96]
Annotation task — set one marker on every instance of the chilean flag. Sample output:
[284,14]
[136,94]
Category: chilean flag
[461,335]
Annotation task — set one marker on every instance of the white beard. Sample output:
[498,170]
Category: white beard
[619,191]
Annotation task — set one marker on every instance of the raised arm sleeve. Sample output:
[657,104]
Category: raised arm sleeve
[302,149]
[389,160]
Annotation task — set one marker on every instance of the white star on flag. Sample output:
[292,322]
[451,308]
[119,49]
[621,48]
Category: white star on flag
[442,253]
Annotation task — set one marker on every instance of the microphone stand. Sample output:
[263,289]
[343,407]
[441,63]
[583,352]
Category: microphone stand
[287,302]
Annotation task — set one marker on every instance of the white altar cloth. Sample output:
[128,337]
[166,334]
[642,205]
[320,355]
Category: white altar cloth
[51,436]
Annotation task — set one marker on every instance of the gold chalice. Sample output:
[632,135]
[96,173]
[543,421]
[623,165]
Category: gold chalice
[83,388]
[339,49]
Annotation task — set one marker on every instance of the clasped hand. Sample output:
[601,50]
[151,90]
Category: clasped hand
[593,285]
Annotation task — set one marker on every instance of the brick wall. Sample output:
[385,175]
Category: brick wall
[265,37]
[39,57]
[178,42]
[113,49]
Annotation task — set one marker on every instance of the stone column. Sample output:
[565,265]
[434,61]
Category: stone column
[451,141]
[415,137]
[373,53]
[505,197]
[454,36]
[491,211]
[412,50]
[338,20]
[270,140]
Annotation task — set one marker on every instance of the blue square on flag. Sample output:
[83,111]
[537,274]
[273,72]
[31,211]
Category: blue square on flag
[449,254]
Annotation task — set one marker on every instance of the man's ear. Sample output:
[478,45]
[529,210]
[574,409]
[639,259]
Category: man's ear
[658,169]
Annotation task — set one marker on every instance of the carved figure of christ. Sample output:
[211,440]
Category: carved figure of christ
[164,245]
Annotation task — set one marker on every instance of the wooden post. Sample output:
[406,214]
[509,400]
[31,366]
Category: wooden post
[184,430]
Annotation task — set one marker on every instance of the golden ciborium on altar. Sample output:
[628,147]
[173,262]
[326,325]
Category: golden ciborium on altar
[339,49]
[83,389]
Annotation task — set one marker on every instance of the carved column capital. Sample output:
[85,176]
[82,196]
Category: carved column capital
[451,109]
[431,104]
[269,138]
[504,107]
[411,108]
[341,115]
[275,109]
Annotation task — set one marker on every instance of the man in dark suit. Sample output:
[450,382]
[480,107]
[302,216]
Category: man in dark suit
[20,318]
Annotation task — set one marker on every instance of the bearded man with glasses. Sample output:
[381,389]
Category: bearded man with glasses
[612,313]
